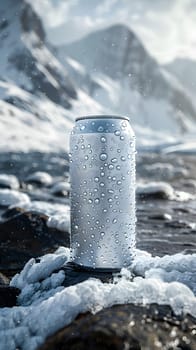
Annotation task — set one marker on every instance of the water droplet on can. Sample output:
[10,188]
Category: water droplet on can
[103,156]
[103,139]
[100,128]
[110,167]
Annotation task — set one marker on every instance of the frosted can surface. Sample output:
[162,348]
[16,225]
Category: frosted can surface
[102,169]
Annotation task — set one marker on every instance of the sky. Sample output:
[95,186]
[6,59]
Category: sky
[167,28]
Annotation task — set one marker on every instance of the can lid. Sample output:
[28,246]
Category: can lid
[102,117]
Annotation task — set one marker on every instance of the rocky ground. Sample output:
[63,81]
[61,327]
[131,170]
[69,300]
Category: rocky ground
[166,209]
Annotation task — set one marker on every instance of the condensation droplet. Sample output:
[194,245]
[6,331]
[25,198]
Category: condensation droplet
[110,200]
[76,147]
[103,156]
[86,157]
[96,179]
[110,167]
[102,234]
[117,132]
[122,138]
[123,158]
[103,139]
[76,227]
[113,160]
[90,200]
[105,210]
[102,184]
[97,200]
[110,191]
[82,147]
[114,221]
[102,173]
[118,167]
[119,182]
[100,128]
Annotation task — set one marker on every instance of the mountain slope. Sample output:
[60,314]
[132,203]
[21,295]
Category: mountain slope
[184,69]
[116,60]
[25,57]
[38,99]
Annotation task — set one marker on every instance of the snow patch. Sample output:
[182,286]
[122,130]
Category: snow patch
[40,177]
[11,197]
[10,181]
[165,189]
[49,307]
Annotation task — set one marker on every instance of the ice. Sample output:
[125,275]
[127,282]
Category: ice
[44,306]
[11,197]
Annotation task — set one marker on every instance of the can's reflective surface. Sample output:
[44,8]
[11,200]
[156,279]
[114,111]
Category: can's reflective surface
[102,169]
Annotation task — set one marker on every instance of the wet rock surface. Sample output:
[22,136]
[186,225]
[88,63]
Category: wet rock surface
[24,235]
[163,226]
[125,327]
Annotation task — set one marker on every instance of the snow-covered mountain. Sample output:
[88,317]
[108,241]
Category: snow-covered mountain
[38,99]
[43,89]
[128,80]
[185,71]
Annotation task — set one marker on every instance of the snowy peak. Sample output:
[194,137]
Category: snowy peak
[28,60]
[117,53]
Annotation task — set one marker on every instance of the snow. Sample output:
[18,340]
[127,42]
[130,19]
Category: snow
[61,186]
[9,181]
[182,148]
[40,177]
[44,306]
[11,197]
[165,188]
[58,214]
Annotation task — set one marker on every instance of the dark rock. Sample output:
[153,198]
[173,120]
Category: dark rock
[4,281]
[8,296]
[160,216]
[159,194]
[27,235]
[127,327]
[179,224]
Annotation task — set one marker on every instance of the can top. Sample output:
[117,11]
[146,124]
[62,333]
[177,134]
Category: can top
[102,117]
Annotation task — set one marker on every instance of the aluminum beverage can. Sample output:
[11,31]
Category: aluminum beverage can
[102,170]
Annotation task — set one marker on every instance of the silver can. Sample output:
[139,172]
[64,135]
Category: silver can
[102,170]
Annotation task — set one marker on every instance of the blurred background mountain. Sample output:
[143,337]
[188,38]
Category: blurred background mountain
[61,59]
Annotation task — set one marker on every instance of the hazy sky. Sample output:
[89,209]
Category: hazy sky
[166,27]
